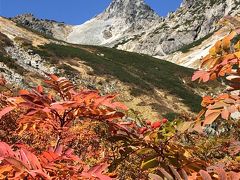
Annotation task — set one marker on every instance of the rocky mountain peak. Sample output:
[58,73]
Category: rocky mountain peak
[26,16]
[187,3]
[134,9]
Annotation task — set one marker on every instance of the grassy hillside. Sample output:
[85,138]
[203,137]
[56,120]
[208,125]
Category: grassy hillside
[153,85]
[148,85]
[142,72]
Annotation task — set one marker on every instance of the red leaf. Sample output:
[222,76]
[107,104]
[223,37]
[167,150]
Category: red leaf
[6,110]
[5,150]
[96,172]
[59,149]
[40,89]
[142,130]
[148,122]
[197,75]
[205,175]
[233,176]
[220,171]
[34,162]
[232,109]
[156,125]
[164,120]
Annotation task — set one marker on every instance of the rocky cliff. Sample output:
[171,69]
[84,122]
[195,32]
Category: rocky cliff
[50,28]
[122,21]
[133,26]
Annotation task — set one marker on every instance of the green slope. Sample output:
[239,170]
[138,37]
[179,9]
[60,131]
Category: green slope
[143,72]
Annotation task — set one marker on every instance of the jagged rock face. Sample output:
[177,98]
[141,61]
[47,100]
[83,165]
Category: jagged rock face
[192,21]
[30,21]
[121,21]
[130,9]
[47,27]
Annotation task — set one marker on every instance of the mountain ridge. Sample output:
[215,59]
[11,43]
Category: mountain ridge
[131,25]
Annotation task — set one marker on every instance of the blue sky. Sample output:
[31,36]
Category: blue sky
[72,11]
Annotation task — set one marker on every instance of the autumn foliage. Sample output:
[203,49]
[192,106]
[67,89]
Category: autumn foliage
[67,133]
[57,131]
[223,61]
[53,115]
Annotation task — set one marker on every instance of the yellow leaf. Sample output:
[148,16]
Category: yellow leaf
[212,51]
[187,154]
[237,45]
[152,163]
[22,129]
[227,40]
[237,54]
[218,47]
[238,158]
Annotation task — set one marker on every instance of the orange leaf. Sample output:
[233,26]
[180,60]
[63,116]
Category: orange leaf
[5,168]
[211,117]
[53,77]
[40,89]
[225,114]
[213,76]
[198,74]
[223,96]
[227,40]
[218,47]
[217,105]
[23,92]
[206,77]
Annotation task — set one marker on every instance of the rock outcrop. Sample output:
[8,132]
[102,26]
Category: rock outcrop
[50,28]
[191,22]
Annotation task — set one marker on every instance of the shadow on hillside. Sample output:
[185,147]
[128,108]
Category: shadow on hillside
[143,72]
